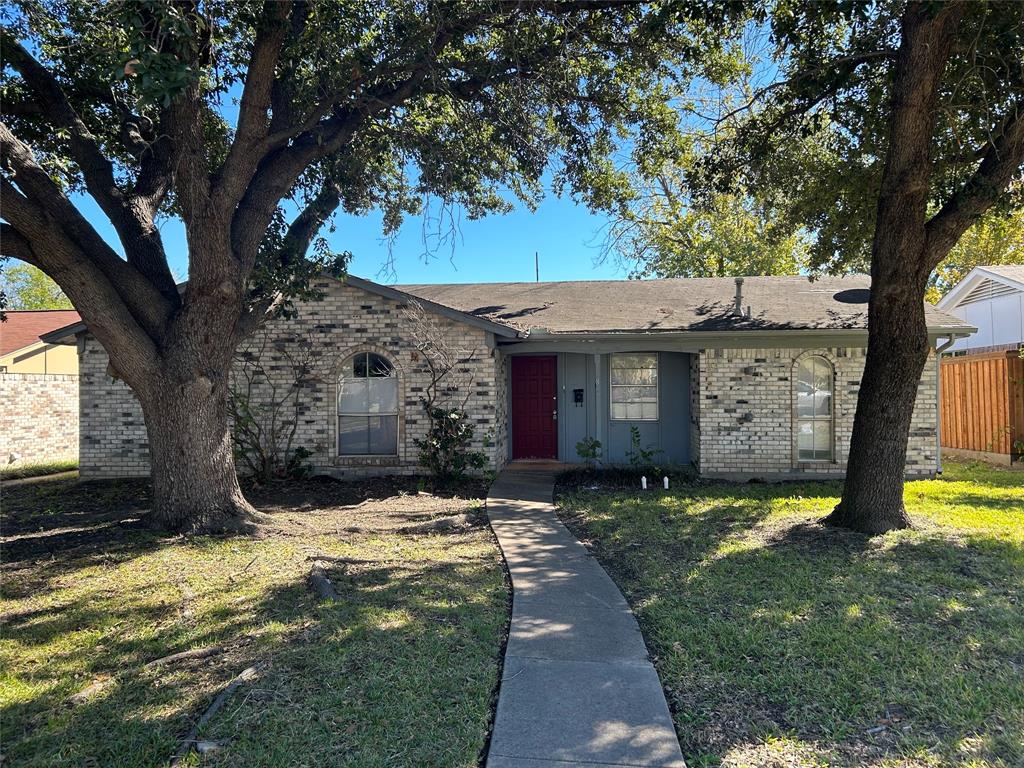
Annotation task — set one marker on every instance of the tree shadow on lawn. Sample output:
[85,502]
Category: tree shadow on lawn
[409,638]
[783,642]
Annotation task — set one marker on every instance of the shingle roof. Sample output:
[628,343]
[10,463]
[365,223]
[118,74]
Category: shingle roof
[24,327]
[667,305]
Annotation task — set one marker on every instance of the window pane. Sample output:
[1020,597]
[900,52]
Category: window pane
[634,394]
[383,435]
[805,372]
[634,387]
[378,366]
[805,440]
[359,365]
[353,396]
[822,440]
[634,361]
[382,395]
[804,399]
[645,376]
[353,435]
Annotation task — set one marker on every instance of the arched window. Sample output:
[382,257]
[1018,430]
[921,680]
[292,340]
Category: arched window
[814,409]
[367,407]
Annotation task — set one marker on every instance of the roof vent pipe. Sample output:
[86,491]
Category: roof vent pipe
[738,310]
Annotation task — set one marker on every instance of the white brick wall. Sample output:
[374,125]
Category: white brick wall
[735,382]
[725,385]
[38,418]
[348,320]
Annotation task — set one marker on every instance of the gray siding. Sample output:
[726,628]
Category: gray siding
[670,434]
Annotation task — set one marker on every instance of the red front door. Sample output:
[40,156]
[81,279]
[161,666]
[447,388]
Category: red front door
[534,400]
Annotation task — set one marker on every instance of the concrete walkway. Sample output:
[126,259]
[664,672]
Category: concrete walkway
[578,688]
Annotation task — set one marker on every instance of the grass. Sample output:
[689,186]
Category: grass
[782,643]
[38,469]
[400,672]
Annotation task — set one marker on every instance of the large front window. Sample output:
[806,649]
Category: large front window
[634,380]
[367,407]
[814,409]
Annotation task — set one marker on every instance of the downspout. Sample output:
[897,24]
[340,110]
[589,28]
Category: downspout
[938,400]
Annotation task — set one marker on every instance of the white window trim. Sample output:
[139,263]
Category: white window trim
[830,418]
[657,386]
[338,414]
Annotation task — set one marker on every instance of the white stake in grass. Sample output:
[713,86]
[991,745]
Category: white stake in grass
[665,479]
[643,482]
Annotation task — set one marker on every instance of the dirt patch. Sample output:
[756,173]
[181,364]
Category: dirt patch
[41,520]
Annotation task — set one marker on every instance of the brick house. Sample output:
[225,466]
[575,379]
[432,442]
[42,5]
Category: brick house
[740,379]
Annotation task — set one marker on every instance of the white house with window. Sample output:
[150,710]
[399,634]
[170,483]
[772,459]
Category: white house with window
[738,379]
[992,300]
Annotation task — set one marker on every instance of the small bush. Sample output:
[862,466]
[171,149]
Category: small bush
[445,451]
[589,449]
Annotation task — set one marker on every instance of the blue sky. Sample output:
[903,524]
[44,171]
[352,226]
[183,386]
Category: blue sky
[566,236]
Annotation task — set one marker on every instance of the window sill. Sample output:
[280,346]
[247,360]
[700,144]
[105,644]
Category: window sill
[367,460]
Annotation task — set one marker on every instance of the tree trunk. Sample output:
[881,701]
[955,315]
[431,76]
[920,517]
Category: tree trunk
[195,487]
[872,499]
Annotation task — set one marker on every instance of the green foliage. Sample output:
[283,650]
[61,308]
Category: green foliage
[589,449]
[27,287]
[502,97]
[641,458]
[731,234]
[998,238]
[801,122]
[446,450]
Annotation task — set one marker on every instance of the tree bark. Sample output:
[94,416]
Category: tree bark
[195,487]
[872,500]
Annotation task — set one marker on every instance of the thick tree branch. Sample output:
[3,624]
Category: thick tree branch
[293,247]
[39,209]
[243,157]
[31,235]
[1002,160]
[14,245]
[133,220]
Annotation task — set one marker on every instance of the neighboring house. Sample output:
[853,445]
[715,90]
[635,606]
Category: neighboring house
[992,300]
[38,389]
[21,349]
[766,392]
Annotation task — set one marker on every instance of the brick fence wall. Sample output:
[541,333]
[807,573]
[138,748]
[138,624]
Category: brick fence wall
[321,338]
[114,440]
[38,418]
[759,382]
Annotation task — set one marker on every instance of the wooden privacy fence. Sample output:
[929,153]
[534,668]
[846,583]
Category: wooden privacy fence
[982,405]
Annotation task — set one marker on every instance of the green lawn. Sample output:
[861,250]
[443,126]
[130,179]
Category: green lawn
[401,672]
[782,643]
[19,471]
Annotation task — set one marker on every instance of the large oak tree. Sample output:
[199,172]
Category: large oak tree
[231,115]
[915,111]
